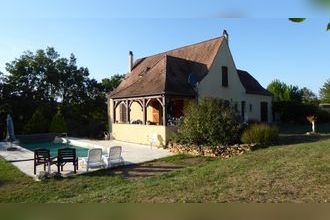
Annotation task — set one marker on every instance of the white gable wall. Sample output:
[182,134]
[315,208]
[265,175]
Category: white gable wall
[211,86]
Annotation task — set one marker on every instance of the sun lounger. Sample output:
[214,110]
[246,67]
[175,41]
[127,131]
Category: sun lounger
[114,157]
[94,159]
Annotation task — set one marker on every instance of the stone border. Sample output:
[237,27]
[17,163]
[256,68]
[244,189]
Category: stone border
[207,151]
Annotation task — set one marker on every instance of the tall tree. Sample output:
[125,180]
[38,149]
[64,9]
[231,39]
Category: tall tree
[325,92]
[278,89]
[38,83]
[283,92]
[112,83]
[308,96]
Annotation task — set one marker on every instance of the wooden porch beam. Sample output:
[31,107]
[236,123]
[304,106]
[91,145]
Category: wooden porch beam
[139,98]
[144,106]
[164,111]
[127,111]
[114,110]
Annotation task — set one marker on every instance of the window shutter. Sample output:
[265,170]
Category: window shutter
[225,76]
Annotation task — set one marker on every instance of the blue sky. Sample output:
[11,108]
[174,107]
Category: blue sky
[100,33]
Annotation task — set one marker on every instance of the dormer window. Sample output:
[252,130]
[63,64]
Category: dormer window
[225,76]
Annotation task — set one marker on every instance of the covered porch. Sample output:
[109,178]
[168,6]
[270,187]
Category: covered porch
[146,119]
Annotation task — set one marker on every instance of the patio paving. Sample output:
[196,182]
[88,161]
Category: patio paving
[132,154]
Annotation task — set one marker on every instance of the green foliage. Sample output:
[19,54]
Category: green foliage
[309,97]
[283,92]
[45,80]
[325,92]
[260,134]
[293,112]
[112,83]
[321,3]
[210,122]
[58,124]
[37,124]
[294,104]
[297,19]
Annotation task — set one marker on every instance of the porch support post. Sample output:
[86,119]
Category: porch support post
[144,108]
[114,110]
[164,111]
[128,112]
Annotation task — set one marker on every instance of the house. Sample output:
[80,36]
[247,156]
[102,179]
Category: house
[157,88]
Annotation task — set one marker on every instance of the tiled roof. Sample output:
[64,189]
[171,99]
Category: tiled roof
[167,73]
[251,85]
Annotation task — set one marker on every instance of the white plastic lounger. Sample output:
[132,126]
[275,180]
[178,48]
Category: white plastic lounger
[114,158]
[94,159]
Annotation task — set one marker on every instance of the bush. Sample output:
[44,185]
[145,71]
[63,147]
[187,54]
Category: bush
[260,134]
[210,122]
[58,124]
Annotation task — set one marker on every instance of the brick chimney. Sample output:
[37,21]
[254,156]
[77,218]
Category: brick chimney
[226,35]
[130,61]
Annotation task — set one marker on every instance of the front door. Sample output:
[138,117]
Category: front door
[264,111]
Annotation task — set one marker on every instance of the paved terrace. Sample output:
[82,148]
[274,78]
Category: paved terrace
[132,154]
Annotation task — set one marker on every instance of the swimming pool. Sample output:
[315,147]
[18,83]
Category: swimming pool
[53,147]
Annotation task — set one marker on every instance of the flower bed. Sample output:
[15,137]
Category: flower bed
[219,151]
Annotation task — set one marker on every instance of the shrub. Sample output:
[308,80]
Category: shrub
[260,134]
[297,112]
[211,122]
[58,124]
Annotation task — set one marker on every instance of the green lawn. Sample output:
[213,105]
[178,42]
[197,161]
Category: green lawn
[297,172]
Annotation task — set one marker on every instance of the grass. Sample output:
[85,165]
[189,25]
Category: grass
[297,171]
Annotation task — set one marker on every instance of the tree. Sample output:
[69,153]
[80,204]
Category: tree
[58,124]
[112,83]
[43,81]
[278,89]
[283,92]
[293,94]
[325,92]
[309,97]
[37,124]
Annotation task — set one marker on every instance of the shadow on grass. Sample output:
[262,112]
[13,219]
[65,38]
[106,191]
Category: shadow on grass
[303,128]
[289,139]
[137,171]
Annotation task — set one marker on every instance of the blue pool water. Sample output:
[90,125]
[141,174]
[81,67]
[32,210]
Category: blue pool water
[53,147]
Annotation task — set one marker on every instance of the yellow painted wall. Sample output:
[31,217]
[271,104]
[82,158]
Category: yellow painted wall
[141,134]
[149,113]
[136,112]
